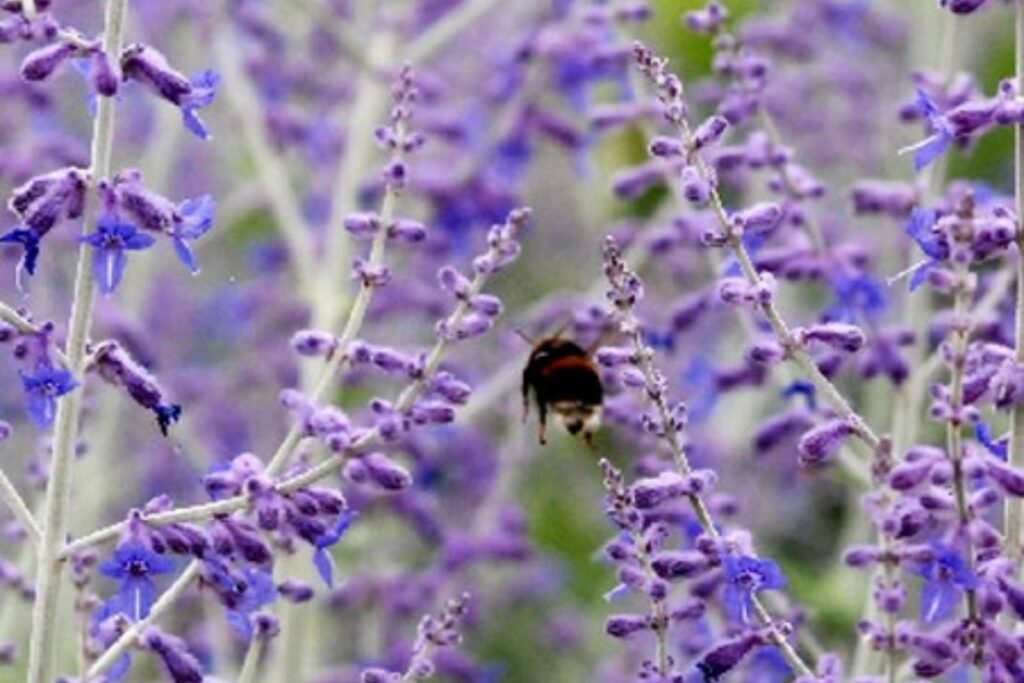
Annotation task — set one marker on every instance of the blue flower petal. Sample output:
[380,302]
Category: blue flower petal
[920,274]
[186,255]
[938,599]
[984,435]
[137,596]
[324,564]
[931,149]
[241,624]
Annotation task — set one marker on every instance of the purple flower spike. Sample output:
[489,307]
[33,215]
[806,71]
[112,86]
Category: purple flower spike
[745,576]
[135,565]
[111,240]
[322,559]
[42,390]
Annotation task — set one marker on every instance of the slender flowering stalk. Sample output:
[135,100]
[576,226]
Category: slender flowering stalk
[963,294]
[624,293]
[42,652]
[368,284]
[370,101]
[1014,513]
[266,629]
[795,351]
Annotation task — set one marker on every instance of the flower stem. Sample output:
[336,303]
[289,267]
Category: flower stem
[42,650]
[450,26]
[251,664]
[1014,511]
[356,317]
[700,508]
[128,638]
[10,495]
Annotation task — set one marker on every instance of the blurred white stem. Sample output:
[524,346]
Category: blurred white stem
[17,504]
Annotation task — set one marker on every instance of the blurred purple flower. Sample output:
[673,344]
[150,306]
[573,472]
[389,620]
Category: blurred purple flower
[42,390]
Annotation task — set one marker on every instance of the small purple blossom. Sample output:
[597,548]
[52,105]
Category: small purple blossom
[42,389]
[946,576]
[110,242]
[745,576]
[134,566]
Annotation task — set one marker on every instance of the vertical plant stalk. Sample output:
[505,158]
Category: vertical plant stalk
[954,430]
[1014,511]
[700,508]
[908,408]
[356,316]
[42,648]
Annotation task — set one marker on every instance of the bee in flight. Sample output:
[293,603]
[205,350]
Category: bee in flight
[565,380]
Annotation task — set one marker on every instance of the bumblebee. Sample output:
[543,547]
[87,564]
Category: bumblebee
[565,380]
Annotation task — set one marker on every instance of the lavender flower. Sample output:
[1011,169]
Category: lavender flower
[42,389]
[744,577]
[134,566]
[111,240]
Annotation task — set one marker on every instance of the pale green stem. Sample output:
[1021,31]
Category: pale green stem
[42,650]
[251,664]
[132,633]
[17,504]
[954,428]
[1014,509]
[918,314]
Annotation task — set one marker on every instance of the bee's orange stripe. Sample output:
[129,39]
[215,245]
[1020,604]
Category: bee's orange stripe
[581,362]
